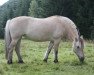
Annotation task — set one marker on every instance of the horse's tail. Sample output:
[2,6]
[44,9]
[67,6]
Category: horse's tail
[7,38]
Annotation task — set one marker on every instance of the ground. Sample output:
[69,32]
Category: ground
[33,53]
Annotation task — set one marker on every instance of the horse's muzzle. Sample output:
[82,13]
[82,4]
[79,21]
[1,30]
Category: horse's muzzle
[81,59]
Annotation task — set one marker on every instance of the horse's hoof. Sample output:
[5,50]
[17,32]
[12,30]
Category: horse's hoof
[9,62]
[55,61]
[20,61]
[45,60]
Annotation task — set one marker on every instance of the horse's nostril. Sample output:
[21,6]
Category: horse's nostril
[81,59]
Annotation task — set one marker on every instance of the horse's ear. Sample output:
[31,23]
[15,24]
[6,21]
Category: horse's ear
[81,36]
[78,32]
[82,41]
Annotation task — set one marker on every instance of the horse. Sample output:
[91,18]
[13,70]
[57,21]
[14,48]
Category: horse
[52,29]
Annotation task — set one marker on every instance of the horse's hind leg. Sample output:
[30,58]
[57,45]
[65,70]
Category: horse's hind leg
[48,51]
[56,45]
[10,53]
[17,49]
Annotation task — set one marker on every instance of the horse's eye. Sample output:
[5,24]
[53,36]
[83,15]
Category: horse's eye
[78,47]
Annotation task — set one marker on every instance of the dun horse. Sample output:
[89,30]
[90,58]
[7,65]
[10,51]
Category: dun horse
[52,29]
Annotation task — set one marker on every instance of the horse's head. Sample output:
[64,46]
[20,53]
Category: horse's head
[78,46]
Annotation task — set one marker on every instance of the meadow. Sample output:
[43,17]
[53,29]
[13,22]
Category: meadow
[33,53]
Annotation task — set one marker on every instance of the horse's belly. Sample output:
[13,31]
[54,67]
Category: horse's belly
[38,37]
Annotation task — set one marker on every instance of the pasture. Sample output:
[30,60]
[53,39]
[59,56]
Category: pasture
[33,53]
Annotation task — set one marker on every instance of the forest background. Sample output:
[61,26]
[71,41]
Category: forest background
[80,11]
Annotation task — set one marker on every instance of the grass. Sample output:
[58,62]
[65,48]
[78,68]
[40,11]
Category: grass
[33,54]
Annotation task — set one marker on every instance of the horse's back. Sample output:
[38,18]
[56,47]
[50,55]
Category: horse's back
[43,29]
[40,28]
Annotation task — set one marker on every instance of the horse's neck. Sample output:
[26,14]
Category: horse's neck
[70,28]
[72,33]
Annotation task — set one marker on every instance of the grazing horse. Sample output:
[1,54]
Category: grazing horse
[52,29]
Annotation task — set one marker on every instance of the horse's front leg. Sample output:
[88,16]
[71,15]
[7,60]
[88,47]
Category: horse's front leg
[56,45]
[48,50]
[17,49]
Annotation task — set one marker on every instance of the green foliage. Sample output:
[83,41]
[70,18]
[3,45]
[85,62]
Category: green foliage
[11,9]
[92,32]
[34,8]
[33,54]
[44,8]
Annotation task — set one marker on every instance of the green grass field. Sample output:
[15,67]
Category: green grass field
[33,53]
